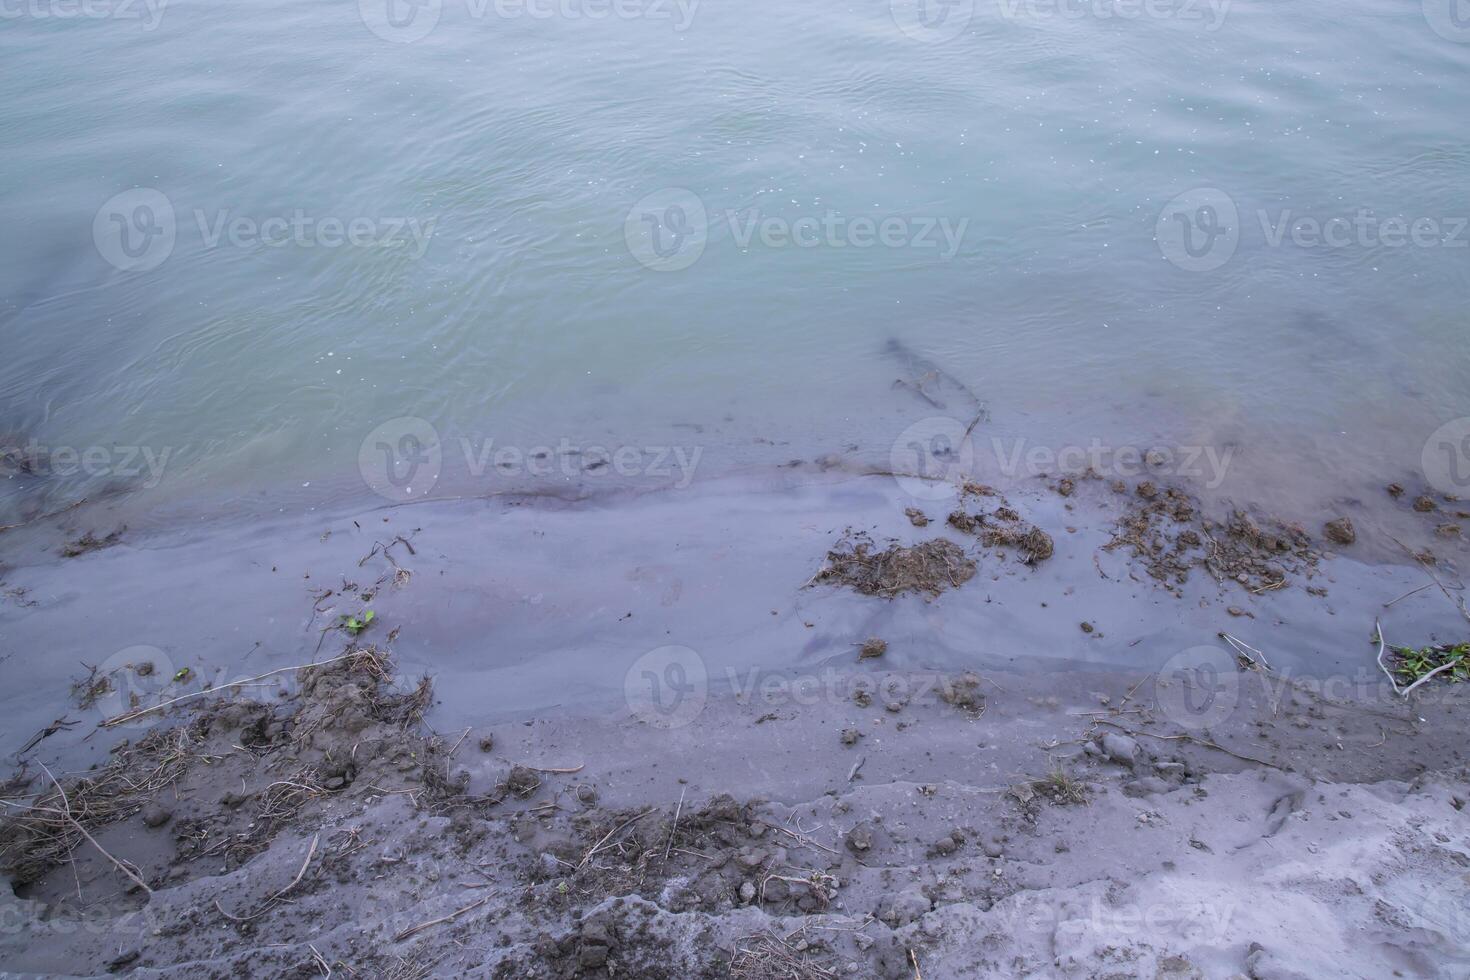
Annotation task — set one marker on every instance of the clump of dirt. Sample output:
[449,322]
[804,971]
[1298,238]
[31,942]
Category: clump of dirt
[1340,531]
[89,542]
[522,782]
[1258,558]
[928,568]
[963,692]
[1034,544]
[1004,528]
[916,517]
[1165,530]
[872,647]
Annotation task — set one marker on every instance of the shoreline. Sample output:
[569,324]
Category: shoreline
[682,658]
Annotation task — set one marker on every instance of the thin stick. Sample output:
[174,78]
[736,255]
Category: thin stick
[1459,603]
[562,771]
[675,828]
[37,520]
[131,715]
[1420,589]
[626,823]
[1245,650]
[73,821]
[310,853]
[415,930]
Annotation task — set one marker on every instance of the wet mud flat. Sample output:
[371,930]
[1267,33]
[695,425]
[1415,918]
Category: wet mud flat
[810,728]
[978,824]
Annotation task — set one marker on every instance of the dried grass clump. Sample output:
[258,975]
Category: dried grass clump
[769,957]
[928,568]
[41,831]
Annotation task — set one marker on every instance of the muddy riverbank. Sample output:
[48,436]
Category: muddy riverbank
[655,740]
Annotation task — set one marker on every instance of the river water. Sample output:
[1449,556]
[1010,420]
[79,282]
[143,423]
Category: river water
[251,244]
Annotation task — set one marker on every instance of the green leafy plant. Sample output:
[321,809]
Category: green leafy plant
[1412,664]
[356,624]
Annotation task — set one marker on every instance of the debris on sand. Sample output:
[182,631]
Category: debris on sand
[1257,558]
[1061,789]
[90,689]
[872,647]
[916,517]
[522,782]
[1032,542]
[1166,532]
[1425,505]
[929,568]
[963,692]
[235,773]
[1004,528]
[1340,531]
[89,542]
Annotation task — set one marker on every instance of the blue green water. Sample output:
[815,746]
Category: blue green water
[488,217]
